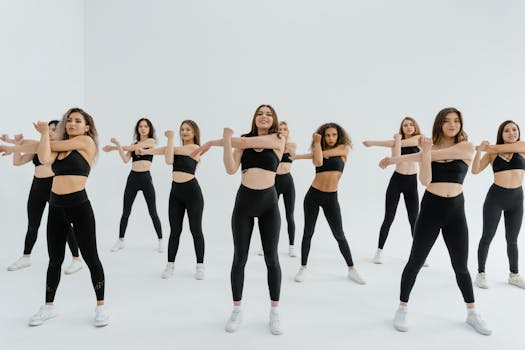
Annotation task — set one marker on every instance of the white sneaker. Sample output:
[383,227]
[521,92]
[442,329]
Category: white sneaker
[45,313]
[426,264]
[275,323]
[199,272]
[354,276]
[400,319]
[101,316]
[21,263]
[291,251]
[119,244]
[234,321]
[481,280]
[160,246]
[378,258]
[301,275]
[168,271]
[75,266]
[516,280]
[476,322]
[260,252]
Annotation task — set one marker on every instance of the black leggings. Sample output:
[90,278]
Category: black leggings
[328,201]
[186,196]
[139,181]
[261,204]
[64,211]
[448,215]
[510,202]
[36,203]
[399,183]
[284,185]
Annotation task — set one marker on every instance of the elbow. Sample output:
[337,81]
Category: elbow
[230,171]
[475,171]
[318,163]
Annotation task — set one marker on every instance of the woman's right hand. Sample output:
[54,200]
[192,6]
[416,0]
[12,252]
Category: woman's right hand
[41,127]
[367,143]
[385,162]
[201,150]
[316,138]
[227,132]
[107,148]
[482,146]
[169,134]
[114,141]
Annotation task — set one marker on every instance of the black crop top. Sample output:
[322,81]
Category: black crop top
[329,164]
[135,157]
[516,162]
[72,164]
[186,164]
[286,158]
[265,159]
[453,171]
[36,161]
[409,150]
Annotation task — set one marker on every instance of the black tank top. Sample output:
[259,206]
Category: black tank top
[330,164]
[36,161]
[135,157]
[286,158]
[453,171]
[73,164]
[265,159]
[409,150]
[185,164]
[516,162]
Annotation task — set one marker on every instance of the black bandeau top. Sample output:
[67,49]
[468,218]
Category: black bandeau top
[265,159]
[286,158]
[409,150]
[331,164]
[516,162]
[453,171]
[36,161]
[135,157]
[185,164]
[72,164]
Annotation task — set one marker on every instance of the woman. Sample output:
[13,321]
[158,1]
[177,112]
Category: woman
[330,147]
[71,157]
[36,203]
[443,168]
[403,180]
[505,195]
[258,153]
[139,179]
[185,195]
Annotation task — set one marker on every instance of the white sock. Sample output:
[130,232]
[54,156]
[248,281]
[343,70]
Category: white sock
[274,309]
[237,307]
[471,310]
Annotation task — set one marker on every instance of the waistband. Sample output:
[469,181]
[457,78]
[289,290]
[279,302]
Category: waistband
[68,200]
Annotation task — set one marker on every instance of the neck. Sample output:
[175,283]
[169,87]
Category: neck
[142,137]
[261,132]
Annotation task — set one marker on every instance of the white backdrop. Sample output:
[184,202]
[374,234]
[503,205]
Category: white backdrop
[362,64]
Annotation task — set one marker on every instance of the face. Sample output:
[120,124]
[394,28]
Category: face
[283,130]
[510,133]
[451,126]
[330,137]
[76,124]
[408,127]
[264,118]
[186,133]
[143,128]
[52,129]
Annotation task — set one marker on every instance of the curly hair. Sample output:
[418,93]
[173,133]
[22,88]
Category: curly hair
[342,135]
[437,129]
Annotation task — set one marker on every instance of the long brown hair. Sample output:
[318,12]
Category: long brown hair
[342,135]
[417,131]
[499,137]
[61,132]
[273,129]
[437,129]
[196,131]
[151,133]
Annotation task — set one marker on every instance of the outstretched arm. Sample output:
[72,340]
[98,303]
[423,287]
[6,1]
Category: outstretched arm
[516,147]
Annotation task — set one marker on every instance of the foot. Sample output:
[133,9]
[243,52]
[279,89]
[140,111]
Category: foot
[21,263]
[354,276]
[481,280]
[45,313]
[168,271]
[199,272]
[400,319]
[301,275]
[75,266]
[516,280]
[119,244]
[378,258]
[275,322]
[101,316]
[160,246]
[291,251]
[234,321]
[476,322]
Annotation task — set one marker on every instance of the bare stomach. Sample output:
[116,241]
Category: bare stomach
[445,189]
[43,171]
[509,178]
[67,184]
[141,166]
[326,181]
[258,179]
[180,176]
[407,168]
[284,168]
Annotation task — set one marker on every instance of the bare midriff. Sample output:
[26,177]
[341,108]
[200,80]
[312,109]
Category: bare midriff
[180,176]
[258,179]
[445,189]
[509,178]
[327,181]
[407,168]
[141,166]
[66,184]
[43,171]
[284,168]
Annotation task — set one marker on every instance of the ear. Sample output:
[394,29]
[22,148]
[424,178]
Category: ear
[86,129]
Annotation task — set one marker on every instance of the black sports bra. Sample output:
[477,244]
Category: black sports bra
[72,164]
[36,161]
[286,158]
[453,171]
[330,164]
[135,157]
[516,162]
[265,159]
[185,164]
[409,150]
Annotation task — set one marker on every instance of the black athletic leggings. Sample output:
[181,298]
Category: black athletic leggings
[510,202]
[186,196]
[139,181]
[284,185]
[36,203]
[448,215]
[407,185]
[261,204]
[64,211]
[328,201]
